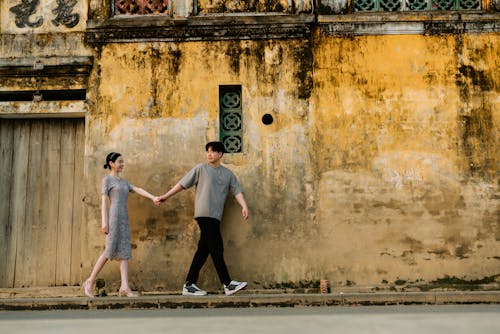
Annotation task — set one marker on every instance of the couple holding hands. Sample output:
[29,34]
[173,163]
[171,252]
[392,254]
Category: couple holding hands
[213,182]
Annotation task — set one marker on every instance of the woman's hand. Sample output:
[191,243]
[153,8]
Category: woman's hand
[105,229]
[157,200]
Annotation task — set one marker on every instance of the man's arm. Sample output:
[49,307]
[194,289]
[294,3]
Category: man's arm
[244,208]
[175,189]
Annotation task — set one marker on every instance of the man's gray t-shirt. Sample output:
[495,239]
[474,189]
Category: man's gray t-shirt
[212,186]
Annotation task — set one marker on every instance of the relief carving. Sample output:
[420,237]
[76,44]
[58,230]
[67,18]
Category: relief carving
[23,11]
[64,15]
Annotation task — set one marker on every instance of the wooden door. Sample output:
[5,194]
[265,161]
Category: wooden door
[41,171]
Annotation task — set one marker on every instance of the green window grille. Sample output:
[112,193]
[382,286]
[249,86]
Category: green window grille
[414,5]
[231,123]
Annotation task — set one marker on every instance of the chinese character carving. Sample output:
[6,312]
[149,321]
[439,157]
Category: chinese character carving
[23,11]
[63,13]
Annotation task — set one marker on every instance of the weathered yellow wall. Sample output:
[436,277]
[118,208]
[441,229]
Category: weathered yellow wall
[158,105]
[380,166]
[406,149]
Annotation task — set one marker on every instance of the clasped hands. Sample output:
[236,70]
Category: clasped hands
[157,200]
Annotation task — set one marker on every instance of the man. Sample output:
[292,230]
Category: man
[213,182]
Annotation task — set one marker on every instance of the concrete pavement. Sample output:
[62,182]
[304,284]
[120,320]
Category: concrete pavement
[72,298]
[408,319]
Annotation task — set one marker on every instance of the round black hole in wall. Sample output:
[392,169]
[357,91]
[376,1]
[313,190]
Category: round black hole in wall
[267,119]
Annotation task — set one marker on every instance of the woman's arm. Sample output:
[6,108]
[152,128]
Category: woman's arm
[104,214]
[143,193]
[244,208]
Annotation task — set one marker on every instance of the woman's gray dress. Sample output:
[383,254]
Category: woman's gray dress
[118,238]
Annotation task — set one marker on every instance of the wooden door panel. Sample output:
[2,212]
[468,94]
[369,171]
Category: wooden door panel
[66,207]
[77,218]
[6,156]
[41,212]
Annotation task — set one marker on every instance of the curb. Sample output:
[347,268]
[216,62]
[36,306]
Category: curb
[250,300]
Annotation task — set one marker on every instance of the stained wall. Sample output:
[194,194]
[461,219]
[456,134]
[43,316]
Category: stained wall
[380,166]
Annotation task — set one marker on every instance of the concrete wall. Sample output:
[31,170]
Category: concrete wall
[158,105]
[381,165]
[406,153]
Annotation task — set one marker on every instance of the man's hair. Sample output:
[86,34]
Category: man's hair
[216,146]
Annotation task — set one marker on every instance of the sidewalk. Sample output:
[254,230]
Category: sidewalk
[71,298]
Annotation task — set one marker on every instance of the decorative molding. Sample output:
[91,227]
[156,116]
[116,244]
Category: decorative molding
[45,67]
[412,24]
[228,27]
[43,95]
[284,26]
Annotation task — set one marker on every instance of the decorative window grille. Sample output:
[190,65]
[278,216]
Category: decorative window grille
[414,5]
[230,118]
[141,7]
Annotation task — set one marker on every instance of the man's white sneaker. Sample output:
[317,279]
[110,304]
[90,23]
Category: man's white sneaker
[192,290]
[234,287]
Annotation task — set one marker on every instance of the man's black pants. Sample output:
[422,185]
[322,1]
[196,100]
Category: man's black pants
[210,244]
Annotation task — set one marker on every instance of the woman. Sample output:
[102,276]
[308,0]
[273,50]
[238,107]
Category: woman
[115,224]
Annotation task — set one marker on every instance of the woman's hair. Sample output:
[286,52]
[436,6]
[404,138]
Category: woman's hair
[111,158]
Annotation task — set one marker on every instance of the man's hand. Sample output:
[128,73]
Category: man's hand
[158,200]
[244,212]
[244,208]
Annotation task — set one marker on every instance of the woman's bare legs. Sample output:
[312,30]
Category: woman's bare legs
[124,275]
[88,285]
[124,287]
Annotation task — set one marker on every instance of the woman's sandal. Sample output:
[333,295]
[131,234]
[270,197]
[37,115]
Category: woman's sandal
[88,290]
[127,293]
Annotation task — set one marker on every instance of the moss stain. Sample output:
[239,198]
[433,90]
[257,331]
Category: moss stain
[455,283]
[304,57]
[478,140]
[234,51]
